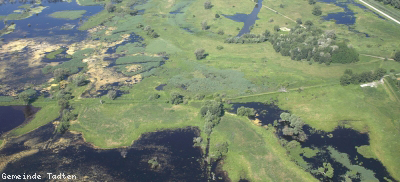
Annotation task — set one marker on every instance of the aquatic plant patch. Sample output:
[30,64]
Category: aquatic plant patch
[26,12]
[70,14]
[137,59]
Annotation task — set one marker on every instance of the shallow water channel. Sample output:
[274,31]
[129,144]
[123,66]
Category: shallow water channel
[343,140]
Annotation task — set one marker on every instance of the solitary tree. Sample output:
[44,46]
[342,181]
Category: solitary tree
[200,54]
[311,2]
[112,94]
[276,28]
[204,25]
[397,56]
[208,5]
[317,10]
[309,23]
[110,7]
[345,80]
[298,21]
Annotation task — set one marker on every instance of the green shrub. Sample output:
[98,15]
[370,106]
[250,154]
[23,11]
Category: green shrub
[176,98]
[245,111]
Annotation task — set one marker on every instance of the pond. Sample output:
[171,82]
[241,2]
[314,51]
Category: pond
[348,16]
[342,140]
[44,25]
[247,19]
[13,116]
[176,158]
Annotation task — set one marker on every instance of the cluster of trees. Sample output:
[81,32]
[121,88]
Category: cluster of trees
[245,111]
[395,3]
[110,7]
[293,126]
[247,39]
[60,74]
[212,111]
[149,30]
[176,98]
[313,43]
[367,76]
[27,96]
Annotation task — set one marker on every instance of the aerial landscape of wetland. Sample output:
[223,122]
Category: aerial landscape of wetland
[200,90]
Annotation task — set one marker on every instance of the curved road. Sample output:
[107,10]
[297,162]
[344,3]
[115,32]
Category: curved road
[384,14]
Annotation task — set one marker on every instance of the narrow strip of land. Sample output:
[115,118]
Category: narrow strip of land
[382,13]
[376,56]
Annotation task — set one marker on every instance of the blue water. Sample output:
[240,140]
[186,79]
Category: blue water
[44,25]
[348,16]
[247,19]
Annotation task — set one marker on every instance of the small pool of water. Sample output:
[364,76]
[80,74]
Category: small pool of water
[160,87]
[248,19]
[13,116]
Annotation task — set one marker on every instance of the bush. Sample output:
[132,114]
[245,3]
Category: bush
[63,103]
[317,10]
[345,80]
[311,2]
[298,21]
[27,96]
[397,56]
[212,107]
[207,5]
[220,47]
[176,98]
[309,23]
[154,96]
[80,80]
[276,28]
[245,111]
[110,7]
[112,94]
[60,74]
[200,54]
[204,25]
[220,32]
[217,16]
[344,54]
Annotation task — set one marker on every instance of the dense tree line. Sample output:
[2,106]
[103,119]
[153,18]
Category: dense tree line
[395,3]
[367,76]
[313,43]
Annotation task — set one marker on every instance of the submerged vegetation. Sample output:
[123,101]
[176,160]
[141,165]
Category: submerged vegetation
[70,14]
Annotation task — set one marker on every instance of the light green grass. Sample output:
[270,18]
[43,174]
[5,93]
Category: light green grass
[366,151]
[115,124]
[70,14]
[254,153]
[46,114]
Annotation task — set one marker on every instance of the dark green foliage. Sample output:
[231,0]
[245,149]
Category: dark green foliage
[213,107]
[392,70]
[176,98]
[150,32]
[397,56]
[112,94]
[276,28]
[207,5]
[295,127]
[60,74]
[110,7]
[345,80]
[63,94]
[62,127]
[366,76]
[217,16]
[220,32]
[308,23]
[199,96]
[247,39]
[208,126]
[395,3]
[63,103]
[67,115]
[317,10]
[200,54]
[79,80]
[154,96]
[221,149]
[344,54]
[27,96]
[267,33]
[204,25]
[311,2]
[298,21]
[220,47]
[245,111]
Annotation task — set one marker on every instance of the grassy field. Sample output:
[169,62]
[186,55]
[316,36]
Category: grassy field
[254,153]
[71,15]
[388,9]
[46,114]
